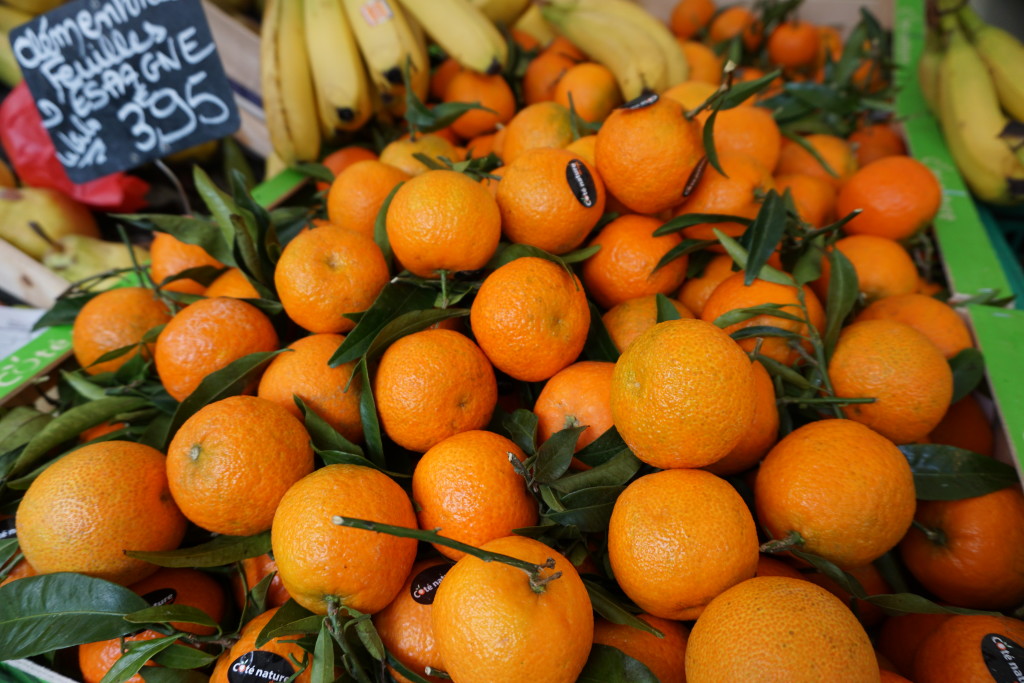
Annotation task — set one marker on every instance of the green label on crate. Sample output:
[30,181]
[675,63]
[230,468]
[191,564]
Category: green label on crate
[34,358]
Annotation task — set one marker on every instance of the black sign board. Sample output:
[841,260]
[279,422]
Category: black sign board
[122,82]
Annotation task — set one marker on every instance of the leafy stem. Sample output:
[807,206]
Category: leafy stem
[781,545]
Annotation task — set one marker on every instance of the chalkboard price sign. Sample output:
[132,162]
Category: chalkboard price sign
[122,82]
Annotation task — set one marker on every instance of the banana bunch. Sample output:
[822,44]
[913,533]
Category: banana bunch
[634,45]
[974,83]
[326,66]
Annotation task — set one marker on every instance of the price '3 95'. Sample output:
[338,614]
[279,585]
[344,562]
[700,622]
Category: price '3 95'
[168,106]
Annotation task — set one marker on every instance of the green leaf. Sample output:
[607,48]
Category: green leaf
[315,171]
[603,448]
[896,604]
[847,582]
[39,614]
[220,551]
[222,207]
[341,458]
[507,253]
[764,235]
[394,300]
[809,148]
[139,652]
[741,92]
[235,161]
[756,331]
[368,636]
[739,255]
[581,255]
[968,368]
[950,473]
[166,614]
[742,314]
[666,309]
[407,324]
[808,265]
[64,310]
[842,296]
[154,674]
[323,656]
[20,425]
[198,231]
[611,608]
[555,454]
[285,622]
[618,470]
[70,424]
[607,664]
[380,228]
[324,436]
[368,415]
[521,428]
[404,670]
[599,345]
[710,150]
[83,386]
[590,520]
[688,220]
[181,657]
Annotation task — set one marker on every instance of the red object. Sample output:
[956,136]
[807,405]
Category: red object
[34,159]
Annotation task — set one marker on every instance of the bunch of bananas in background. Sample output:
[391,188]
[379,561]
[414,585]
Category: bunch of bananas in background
[328,65]
[971,75]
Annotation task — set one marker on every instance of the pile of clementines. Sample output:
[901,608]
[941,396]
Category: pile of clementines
[569,388]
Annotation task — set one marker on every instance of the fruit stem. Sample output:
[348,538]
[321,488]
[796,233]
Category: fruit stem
[534,571]
[38,229]
[781,545]
[936,536]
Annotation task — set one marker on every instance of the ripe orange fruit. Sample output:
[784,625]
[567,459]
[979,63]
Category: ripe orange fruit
[466,488]
[976,558]
[683,394]
[965,425]
[318,559]
[834,151]
[738,193]
[898,196]
[690,16]
[341,159]
[625,321]
[933,318]
[358,193]
[405,625]
[791,630]
[168,256]
[831,44]
[278,655]
[231,462]
[114,319]
[761,434]
[814,197]
[768,566]
[232,282]
[691,94]
[83,512]
[208,336]
[166,587]
[664,656]
[544,124]
[593,91]
[442,76]
[897,365]
[705,65]
[672,559]
[876,141]
[551,199]
[751,131]
[577,395]
[491,625]
[971,648]
[327,272]
[845,489]
[624,267]
[531,318]
[873,583]
[696,291]
[902,635]
[332,393]
[733,294]
[256,569]
[646,153]
[730,23]
[490,91]
[399,153]
[442,220]
[543,73]
[431,385]
[794,45]
[884,268]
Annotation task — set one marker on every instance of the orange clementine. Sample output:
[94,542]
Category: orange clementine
[665,656]
[696,291]
[731,22]
[933,318]
[431,385]
[591,89]
[690,16]
[358,193]
[834,151]
[691,93]
[900,637]
[794,44]
[82,512]
[769,566]
[672,559]
[845,489]
[971,648]
[761,434]
[876,141]
[873,583]
[115,319]
[897,196]
[490,91]
[705,65]
[543,73]
[751,131]
[442,76]
[625,321]
[965,425]
[814,197]
[258,568]
[531,318]
[232,282]
[884,268]
[341,159]
[578,395]
[169,256]
[544,124]
[281,656]
[739,192]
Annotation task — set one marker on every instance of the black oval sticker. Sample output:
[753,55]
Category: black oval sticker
[7,529]
[1003,657]
[581,182]
[645,99]
[260,666]
[161,597]
[424,586]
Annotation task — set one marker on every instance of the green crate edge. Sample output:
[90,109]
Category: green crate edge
[973,264]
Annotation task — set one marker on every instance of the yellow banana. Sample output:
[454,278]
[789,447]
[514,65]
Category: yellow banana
[339,77]
[502,12]
[928,70]
[10,72]
[288,98]
[626,49]
[532,23]
[1004,56]
[389,41]
[34,7]
[462,31]
[972,122]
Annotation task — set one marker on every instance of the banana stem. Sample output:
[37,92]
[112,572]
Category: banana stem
[538,581]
